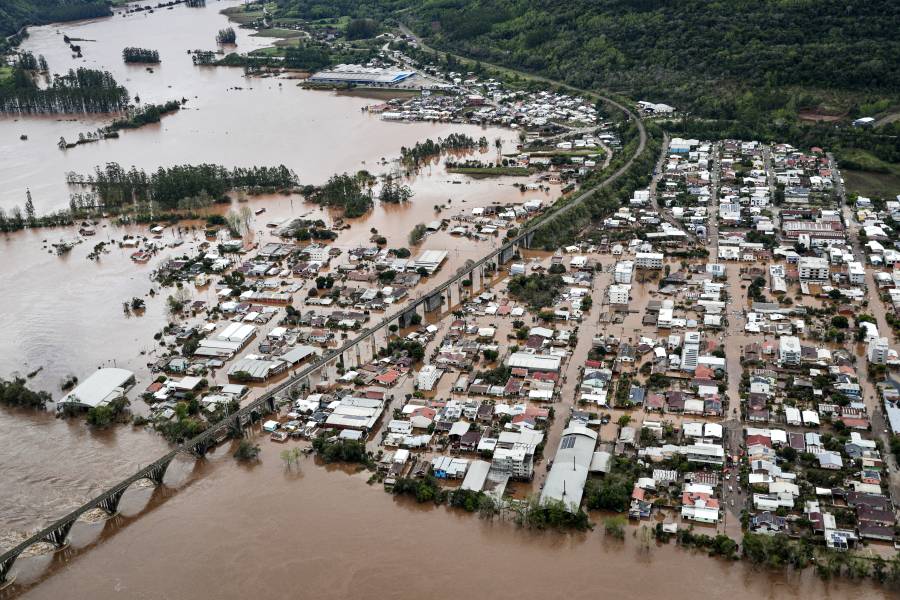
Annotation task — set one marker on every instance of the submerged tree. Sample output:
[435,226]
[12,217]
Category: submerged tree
[226,36]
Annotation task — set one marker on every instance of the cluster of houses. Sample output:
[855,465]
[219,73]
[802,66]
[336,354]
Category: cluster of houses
[470,99]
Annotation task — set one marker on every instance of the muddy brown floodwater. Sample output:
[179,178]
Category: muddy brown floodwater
[243,532]
[63,315]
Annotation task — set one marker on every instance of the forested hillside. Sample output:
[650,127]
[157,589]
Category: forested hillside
[16,13]
[678,51]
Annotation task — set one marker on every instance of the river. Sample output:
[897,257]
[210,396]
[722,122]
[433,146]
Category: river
[218,529]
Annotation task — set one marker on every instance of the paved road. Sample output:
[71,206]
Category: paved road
[876,308]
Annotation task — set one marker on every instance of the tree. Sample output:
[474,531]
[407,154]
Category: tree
[615,526]
[361,29]
[247,451]
[416,235]
[840,321]
[29,208]
[291,457]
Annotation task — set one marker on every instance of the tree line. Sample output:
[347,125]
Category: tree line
[80,90]
[118,188]
[424,151]
[140,55]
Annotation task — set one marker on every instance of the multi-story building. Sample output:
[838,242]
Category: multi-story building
[789,350]
[690,351]
[619,293]
[856,274]
[623,271]
[813,268]
[648,260]
[878,350]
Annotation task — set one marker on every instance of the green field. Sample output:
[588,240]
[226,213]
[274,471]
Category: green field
[277,32]
[489,171]
[867,175]
[870,184]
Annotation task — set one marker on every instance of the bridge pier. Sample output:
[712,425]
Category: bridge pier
[235,427]
[526,240]
[58,536]
[270,404]
[433,302]
[158,472]
[506,254]
[5,568]
[200,449]
[406,318]
[110,504]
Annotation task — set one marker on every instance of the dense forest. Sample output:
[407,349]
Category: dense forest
[78,91]
[14,14]
[117,187]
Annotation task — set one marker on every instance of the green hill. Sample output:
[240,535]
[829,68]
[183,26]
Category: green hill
[697,54]
[16,13]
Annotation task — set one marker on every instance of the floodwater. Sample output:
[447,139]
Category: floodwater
[312,532]
[63,315]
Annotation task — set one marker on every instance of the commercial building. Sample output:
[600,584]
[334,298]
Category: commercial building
[789,350]
[565,482]
[533,362]
[360,75]
[355,413]
[255,369]
[101,388]
[227,342]
[430,260]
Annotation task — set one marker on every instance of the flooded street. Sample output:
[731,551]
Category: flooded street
[316,532]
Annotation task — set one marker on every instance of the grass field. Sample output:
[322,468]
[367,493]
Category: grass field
[5,73]
[489,171]
[277,32]
[870,184]
[867,175]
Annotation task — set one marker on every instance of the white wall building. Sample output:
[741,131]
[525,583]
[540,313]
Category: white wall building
[623,271]
[877,351]
[428,378]
[789,350]
[648,260]
[813,268]
[619,293]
